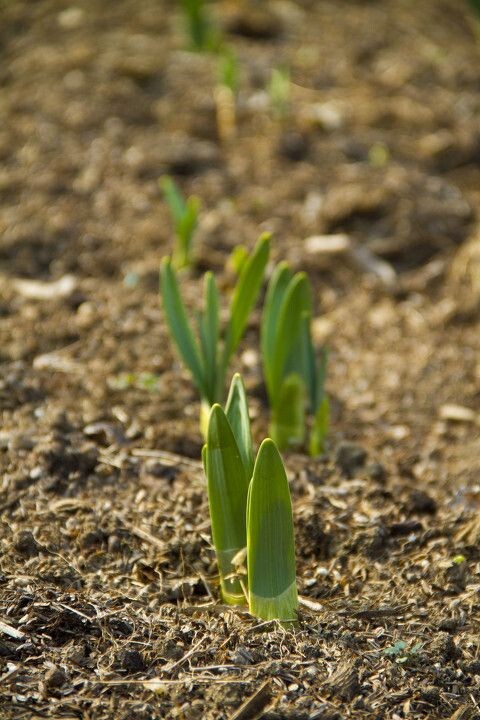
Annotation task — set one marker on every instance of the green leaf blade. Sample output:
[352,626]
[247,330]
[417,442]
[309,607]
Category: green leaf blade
[227,495]
[245,294]
[179,327]
[176,203]
[319,431]
[236,411]
[287,424]
[209,331]
[277,288]
[296,302]
[270,539]
[185,228]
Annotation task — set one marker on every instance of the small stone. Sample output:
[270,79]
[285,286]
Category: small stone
[119,627]
[21,442]
[293,146]
[328,244]
[421,502]
[92,539]
[472,668]
[448,625]
[242,656]
[457,413]
[444,646]
[55,678]
[431,695]
[407,527]
[156,469]
[70,18]
[132,661]
[25,543]
[376,471]
[253,21]
[114,544]
[350,457]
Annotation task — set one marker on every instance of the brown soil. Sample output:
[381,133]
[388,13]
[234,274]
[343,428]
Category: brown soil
[108,594]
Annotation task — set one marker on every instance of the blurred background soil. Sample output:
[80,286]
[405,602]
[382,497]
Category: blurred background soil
[107,574]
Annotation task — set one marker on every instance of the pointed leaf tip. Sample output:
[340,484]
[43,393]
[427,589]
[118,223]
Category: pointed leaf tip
[270,539]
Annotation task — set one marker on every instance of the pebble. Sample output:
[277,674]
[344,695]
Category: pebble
[132,661]
[421,502]
[70,18]
[457,413]
[349,457]
[55,678]
[330,244]
[293,146]
[376,471]
[25,543]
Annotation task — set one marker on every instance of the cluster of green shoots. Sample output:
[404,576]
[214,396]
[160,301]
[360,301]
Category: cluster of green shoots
[295,380]
[251,513]
[204,36]
[249,499]
[208,352]
[184,215]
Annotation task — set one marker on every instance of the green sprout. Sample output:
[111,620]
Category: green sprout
[237,258]
[270,539]
[185,220]
[295,380]
[279,90]
[475,5]
[208,352]
[228,71]
[143,381]
[250,510]
[402,653]
[202,35]
[225,95]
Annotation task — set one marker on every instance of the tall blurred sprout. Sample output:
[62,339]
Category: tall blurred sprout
[185,220]
[207,352]
[228,70]
[475,5]
[294,377]
[279,90]
[250,512]
[202,35]
[226,94]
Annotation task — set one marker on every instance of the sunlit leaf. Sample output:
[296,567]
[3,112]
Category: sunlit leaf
[236,411]
[178,324]
[296,301]
[320,425]
[277,287]
[227,495]
[245,294]
[288,414]
[270,539]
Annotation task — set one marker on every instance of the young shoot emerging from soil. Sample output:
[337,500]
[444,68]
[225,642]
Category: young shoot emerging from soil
[294,378]
[207,352]
[202,35]
[185,220]
[250,510]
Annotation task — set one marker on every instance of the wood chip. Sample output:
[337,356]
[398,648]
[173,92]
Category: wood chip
[457,413]
[253,708]
[367,261]
[39,290]
[11,631]
[328,244]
